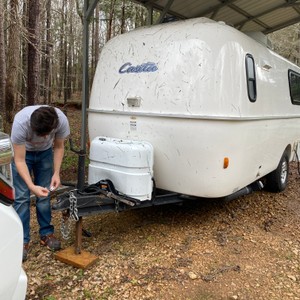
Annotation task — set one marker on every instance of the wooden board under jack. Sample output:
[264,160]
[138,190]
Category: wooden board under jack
[83,260]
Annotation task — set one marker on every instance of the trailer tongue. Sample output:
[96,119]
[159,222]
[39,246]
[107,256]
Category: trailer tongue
[102,197]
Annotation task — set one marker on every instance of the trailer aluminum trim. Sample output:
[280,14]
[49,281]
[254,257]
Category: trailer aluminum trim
[195,117]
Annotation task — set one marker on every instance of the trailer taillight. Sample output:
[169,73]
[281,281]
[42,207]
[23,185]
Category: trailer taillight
[7,194]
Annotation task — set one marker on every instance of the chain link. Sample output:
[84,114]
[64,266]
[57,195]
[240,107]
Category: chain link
[73,206]
[67,218]
[65,227]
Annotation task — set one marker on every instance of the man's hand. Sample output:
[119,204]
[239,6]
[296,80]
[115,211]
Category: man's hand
[39,191]
[55,182]
[58,156]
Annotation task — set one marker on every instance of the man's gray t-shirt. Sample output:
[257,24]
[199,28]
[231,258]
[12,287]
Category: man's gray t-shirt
[22,133]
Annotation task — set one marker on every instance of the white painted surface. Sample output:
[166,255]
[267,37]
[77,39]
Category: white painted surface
[12,277]
[128,164]
[194,109]
[13,280]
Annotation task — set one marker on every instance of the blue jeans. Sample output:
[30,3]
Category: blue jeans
[40,166]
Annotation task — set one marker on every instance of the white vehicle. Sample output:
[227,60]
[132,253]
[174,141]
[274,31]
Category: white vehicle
[12,276]
[219,108]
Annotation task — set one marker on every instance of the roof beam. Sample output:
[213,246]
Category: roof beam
[296,6]
[165,11]
[159,8]
[282,25]
[247,15]
[288,3]
[214,9]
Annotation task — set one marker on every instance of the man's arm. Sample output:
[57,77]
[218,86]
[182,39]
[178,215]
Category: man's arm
[59,149]
[19,158]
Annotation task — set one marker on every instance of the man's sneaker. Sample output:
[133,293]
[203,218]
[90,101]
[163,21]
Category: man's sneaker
[25,251]
[51,242]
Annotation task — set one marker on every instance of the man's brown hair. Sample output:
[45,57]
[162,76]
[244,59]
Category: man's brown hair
[43,120]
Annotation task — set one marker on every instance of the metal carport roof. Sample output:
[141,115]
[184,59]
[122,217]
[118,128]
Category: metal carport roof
[246,15]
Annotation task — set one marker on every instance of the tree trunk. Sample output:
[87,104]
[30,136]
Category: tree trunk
[33,54]
[13,61]
[110,20]
[68,50]
[2,69]
[96,38]
[95,44]
[47,99]
[24,56]
[61,52]
[123,17]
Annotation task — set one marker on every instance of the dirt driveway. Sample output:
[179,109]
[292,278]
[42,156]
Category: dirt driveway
[246,249]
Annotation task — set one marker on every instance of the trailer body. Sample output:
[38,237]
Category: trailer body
[218,108]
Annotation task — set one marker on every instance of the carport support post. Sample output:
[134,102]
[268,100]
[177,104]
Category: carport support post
[88,10]
[79,258]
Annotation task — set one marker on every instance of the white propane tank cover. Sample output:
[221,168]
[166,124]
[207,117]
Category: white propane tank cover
[127,163]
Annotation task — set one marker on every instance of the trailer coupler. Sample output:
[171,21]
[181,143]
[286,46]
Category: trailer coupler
[99,194]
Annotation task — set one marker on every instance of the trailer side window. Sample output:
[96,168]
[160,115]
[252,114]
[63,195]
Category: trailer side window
[294,81]
[251,78]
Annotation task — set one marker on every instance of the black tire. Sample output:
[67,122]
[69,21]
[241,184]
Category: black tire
[278,179]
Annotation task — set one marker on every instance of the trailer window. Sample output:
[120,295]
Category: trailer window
[251,78]
[294,81]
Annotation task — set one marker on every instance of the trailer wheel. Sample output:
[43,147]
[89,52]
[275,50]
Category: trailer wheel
[278,179]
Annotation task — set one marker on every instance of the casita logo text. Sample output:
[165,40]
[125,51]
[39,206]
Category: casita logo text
[143,68]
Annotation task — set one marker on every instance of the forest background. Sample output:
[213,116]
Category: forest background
[41,48]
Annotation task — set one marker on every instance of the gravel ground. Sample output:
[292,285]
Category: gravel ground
[246,249]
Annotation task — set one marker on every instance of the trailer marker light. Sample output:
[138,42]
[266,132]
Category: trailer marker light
[226,163]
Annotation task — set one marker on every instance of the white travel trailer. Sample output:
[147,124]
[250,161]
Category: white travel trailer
[201,107]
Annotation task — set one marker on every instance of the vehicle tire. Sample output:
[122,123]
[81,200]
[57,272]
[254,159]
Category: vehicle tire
[278,179]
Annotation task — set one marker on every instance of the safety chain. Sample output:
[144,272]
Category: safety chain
[69,216]
[65,226]
[73,206]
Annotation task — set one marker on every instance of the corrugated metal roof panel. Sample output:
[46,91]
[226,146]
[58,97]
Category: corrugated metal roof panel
[246,15]
[228,15]
[281,15]
[252,26]
[256,7]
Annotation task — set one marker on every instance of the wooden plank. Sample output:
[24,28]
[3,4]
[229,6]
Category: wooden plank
[83,260]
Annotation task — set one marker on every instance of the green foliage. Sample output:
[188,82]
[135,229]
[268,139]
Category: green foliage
[87,294]
[109,291]
[49,277]
[70,160]
[50,298]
